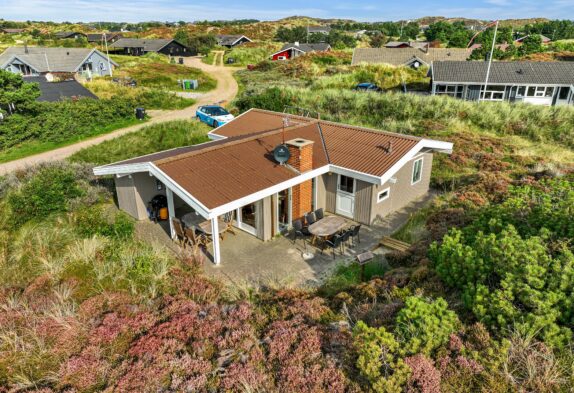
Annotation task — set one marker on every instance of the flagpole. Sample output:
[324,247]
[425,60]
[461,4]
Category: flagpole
[490,61]
[108,55]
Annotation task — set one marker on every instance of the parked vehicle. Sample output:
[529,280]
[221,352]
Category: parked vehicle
[214,115]
[367,87]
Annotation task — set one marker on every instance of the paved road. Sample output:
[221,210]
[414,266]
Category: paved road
[225,91]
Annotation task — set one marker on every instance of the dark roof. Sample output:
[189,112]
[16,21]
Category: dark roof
[149,45]
[57,91]
[402,56]
[225,40]
[66,34]
[318,47]
[504,72]
[97,37]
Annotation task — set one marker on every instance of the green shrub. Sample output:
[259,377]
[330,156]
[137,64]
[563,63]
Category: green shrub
[274,99]
[425,326]
[507,280]
[378,359]
[47,191]
[94,221]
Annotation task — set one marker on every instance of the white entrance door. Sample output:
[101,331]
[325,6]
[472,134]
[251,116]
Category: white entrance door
[345,204]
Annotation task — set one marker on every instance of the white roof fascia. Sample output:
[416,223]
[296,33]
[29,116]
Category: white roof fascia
[268,191]
[121,169]
[443,147]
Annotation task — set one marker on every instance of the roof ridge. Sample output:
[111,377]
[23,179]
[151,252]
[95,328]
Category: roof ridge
[231,142]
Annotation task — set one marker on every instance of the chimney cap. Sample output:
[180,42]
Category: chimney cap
[299,142]
[296,43]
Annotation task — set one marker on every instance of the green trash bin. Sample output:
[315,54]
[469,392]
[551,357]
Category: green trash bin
[187,85]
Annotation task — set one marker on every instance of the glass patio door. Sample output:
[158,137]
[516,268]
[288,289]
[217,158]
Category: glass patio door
[247,220]
[283,210]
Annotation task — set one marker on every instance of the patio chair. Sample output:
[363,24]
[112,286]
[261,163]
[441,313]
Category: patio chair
[310,218]
[355,233]
[196,240]
[299,232]
[319,214]
[334,243]
[179,231]
[228,219]
[345,236]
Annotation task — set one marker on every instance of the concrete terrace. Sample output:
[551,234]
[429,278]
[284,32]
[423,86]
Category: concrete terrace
[248,260]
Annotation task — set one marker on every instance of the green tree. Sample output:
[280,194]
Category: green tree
[182,36]
[14,92]
[531,44]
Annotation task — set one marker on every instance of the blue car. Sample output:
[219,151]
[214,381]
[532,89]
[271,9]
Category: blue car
[213,115]
[367,87]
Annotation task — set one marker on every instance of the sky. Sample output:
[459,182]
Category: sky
[363,10]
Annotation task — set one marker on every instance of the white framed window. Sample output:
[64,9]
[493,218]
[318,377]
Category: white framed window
[384,194]
[417,171]
[450,90]
[492,93]
[346,184]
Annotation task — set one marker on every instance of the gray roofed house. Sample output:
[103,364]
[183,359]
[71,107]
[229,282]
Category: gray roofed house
[58,91]
[99,37]
[141,46]
[412,57]
[33,61]
[318,29]
[407,44]
[12,31]
[69,34]
[230,41]
[542,83]
[296,49]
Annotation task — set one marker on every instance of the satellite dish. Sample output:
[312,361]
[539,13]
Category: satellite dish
[281,154]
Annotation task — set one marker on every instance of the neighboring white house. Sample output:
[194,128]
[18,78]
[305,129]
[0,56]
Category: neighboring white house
[540,83]
[34,61]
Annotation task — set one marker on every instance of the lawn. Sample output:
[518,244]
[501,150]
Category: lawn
[148,140]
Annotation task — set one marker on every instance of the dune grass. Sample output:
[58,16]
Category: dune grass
[251,53]
[148,140]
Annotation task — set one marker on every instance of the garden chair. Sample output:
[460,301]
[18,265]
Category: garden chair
[299,232]
[228,219]
[196,240]
[319,214]
[345,236]
[355,234]
[310,218]
[180,236]
[333,243]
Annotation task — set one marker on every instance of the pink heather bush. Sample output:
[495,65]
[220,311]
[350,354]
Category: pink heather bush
[455,343]
[86,371]
[425,378]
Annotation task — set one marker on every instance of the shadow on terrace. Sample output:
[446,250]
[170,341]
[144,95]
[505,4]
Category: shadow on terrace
[249,260]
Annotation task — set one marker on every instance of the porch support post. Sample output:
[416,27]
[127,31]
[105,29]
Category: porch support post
[171,210]
[215,238]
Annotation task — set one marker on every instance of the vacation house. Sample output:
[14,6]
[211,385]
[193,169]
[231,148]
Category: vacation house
[410,57]
[139,47]
[354,172]
[541,83]
[289,51]
[230,41]
[34,61]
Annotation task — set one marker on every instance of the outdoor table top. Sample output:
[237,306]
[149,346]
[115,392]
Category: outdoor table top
[192,220]
[205,226]
[327,226]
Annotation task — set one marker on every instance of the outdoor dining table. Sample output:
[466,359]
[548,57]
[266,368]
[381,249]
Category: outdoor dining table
[326,227]
[190,221]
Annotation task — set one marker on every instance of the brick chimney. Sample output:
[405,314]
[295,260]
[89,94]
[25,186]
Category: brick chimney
[301,160]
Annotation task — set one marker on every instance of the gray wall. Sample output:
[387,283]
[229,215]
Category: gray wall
[401,192]
[330,181]
[135,191]
[97,60]
[363,198]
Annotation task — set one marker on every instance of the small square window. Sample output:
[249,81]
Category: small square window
[417,171]
[381,196]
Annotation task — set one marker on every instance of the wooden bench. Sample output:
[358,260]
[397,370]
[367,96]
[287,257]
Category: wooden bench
[394,244]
